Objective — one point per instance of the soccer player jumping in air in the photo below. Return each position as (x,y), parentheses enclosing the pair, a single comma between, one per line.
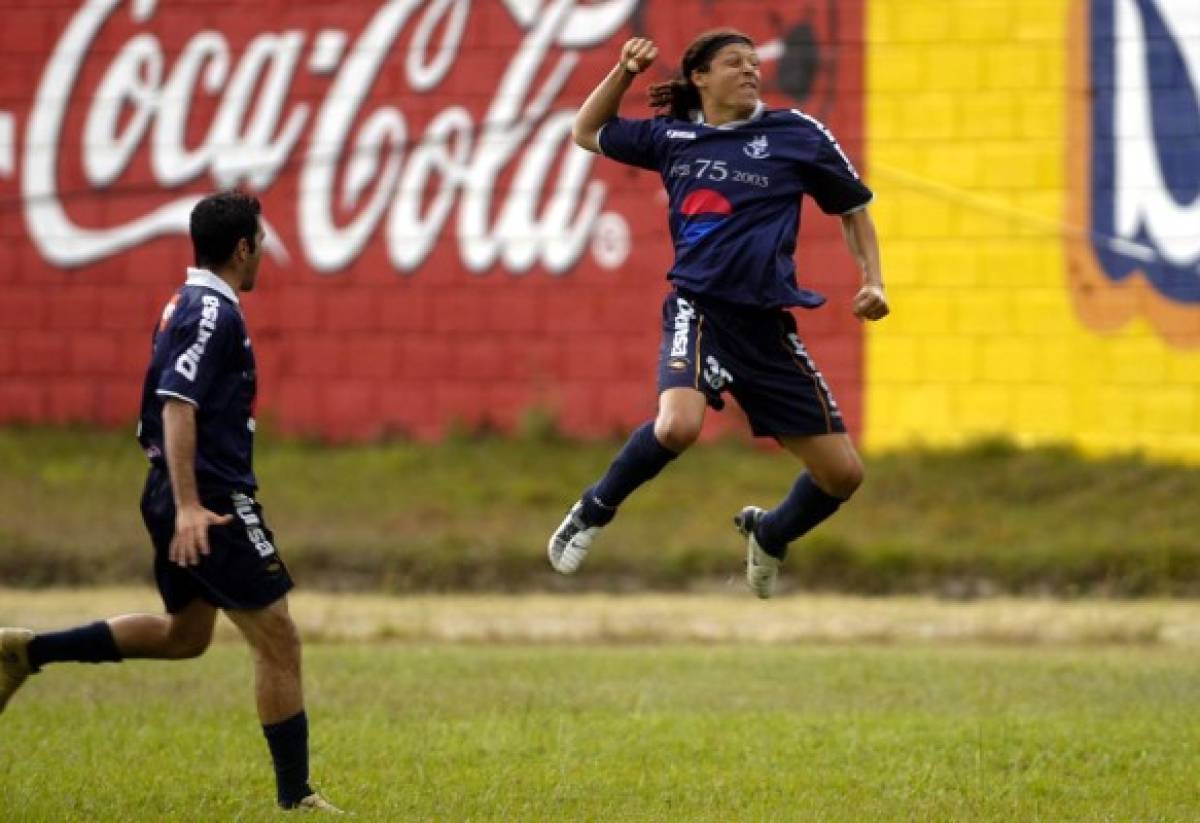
(735,173)
(212,547)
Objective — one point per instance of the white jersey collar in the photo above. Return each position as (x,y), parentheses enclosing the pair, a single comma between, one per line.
(203,277)
(759,109)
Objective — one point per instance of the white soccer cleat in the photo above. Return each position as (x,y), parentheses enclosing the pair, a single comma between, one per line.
(14,662)
(315,803)
(762,569)
(570,542)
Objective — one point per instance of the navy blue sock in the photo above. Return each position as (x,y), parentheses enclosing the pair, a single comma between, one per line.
(288,741)
(640,459)
(805,506)
(93,643)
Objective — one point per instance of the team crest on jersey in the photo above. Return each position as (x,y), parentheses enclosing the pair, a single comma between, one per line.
(1135,176)
(757,148)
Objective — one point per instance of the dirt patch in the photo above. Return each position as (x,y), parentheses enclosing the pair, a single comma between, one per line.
(650,618)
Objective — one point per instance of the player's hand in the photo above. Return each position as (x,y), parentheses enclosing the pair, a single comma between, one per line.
(191,533)
(870,303)
(637,54)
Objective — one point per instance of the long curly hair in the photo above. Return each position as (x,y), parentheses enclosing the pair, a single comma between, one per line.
(678,94)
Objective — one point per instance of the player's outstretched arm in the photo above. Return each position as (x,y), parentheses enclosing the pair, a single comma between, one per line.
(602,104)
(192,520)
(859,232)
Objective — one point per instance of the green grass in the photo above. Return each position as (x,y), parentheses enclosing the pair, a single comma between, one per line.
(474,513)
(673,732)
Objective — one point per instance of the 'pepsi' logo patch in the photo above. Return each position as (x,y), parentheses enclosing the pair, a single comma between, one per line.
(703,210)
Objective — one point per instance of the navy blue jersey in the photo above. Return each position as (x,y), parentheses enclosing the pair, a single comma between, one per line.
(735,193)
(202,356)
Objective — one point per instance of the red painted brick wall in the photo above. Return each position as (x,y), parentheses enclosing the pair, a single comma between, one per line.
(370,346)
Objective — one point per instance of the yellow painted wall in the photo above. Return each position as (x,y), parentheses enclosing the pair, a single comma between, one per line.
(967,107)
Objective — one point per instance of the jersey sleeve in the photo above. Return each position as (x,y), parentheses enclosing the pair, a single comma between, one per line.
(633,142)
(197,343)
(831,178)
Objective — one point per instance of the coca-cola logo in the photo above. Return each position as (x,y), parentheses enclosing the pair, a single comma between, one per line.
(362,169)
(417,175)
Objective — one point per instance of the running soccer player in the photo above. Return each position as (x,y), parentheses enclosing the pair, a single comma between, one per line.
(212,547)
(735,173)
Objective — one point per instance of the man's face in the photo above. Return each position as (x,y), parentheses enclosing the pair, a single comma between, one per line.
(732,80)
(249,260)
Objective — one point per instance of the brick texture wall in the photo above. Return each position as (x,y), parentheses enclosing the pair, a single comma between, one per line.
(1039,291)
(370,321)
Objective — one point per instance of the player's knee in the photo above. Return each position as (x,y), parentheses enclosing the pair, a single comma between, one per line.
(186,643)
(843,479)
(677,432)
(280,642)
(191,648)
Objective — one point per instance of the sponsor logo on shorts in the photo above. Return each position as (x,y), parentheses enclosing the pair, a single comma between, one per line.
(677,364)
(244,506)
(684,315)
(802,353)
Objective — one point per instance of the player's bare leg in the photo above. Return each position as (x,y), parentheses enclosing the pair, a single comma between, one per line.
(279,695)
(680,418)
(158,636)
(179,636)
(832,461)
(275,643)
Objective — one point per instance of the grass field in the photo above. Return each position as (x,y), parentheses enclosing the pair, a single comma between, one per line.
(641,706)
(473,513)
(640,731)
(634,733)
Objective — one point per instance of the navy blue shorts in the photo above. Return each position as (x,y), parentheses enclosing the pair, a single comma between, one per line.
(242,571)
(754,354)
